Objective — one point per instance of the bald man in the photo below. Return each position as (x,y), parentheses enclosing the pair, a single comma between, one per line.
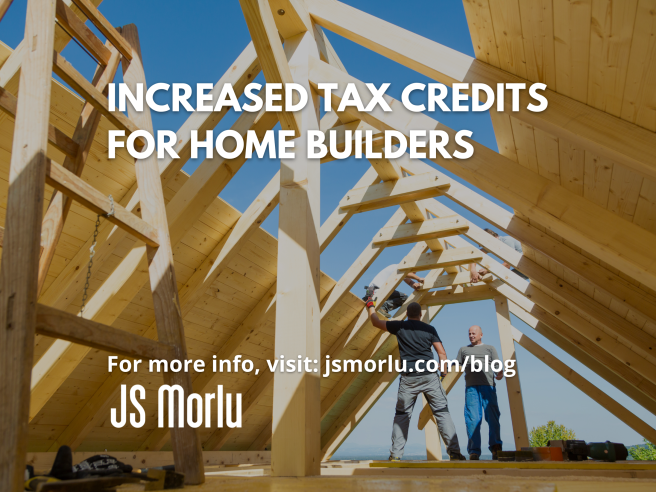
(480,393)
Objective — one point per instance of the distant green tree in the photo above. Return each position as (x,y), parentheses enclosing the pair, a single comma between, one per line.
(645,452)
(539,436)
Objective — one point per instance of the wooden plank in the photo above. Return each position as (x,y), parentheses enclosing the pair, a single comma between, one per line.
(537,29)
(482,30)
(637,103)
(442,259)
(517,415)
(186,445)
(391,193)
(296,414)
(54,323)
(608,403)
(459,293)
(271,54)
(291,17)
(105,27)
(20,252)
(421,231)
(73,78)
(56,137)
(73,25)
(610,46)
(508,34)
(68,183)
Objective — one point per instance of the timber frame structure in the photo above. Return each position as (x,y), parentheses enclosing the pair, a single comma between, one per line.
(580,176)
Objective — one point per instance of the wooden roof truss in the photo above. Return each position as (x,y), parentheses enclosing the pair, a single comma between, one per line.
(593,271)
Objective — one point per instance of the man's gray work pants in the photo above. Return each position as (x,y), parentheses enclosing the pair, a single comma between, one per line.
(409,388)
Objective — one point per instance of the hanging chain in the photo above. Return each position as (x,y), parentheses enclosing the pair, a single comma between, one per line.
(92,252)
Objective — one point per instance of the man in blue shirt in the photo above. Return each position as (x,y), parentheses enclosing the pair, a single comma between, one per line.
(416,339)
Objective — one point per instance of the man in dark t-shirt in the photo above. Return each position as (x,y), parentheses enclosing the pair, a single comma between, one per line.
(415,340)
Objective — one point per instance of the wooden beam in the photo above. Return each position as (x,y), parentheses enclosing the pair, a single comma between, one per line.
(604,134)
(187,451)
(54,323)
(359,266)
(75,26)
(603,279)
(271,54)
(608,403)
(517,415)
(296,413)
(79,190)
(442,259)
(459,293)
(592,357)
(105,27)
(451,280)
(392,193)
(57,138)
(573,217)
(21,244)
(291,17)
(595,335)
(4,6)
(81,85)
(421,231)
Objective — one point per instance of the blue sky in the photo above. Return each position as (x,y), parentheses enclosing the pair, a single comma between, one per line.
(198,43)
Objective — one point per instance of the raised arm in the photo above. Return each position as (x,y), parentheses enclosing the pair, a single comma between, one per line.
(375,320)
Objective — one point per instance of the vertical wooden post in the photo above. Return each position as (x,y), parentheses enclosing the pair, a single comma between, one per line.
(431,430)
(187,452)
(296,421)
(22,238)
(433,440)
(520,430)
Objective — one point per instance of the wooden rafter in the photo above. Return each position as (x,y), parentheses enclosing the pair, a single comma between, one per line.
(551,205)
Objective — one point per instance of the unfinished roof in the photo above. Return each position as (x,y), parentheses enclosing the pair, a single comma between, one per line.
(580,176)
